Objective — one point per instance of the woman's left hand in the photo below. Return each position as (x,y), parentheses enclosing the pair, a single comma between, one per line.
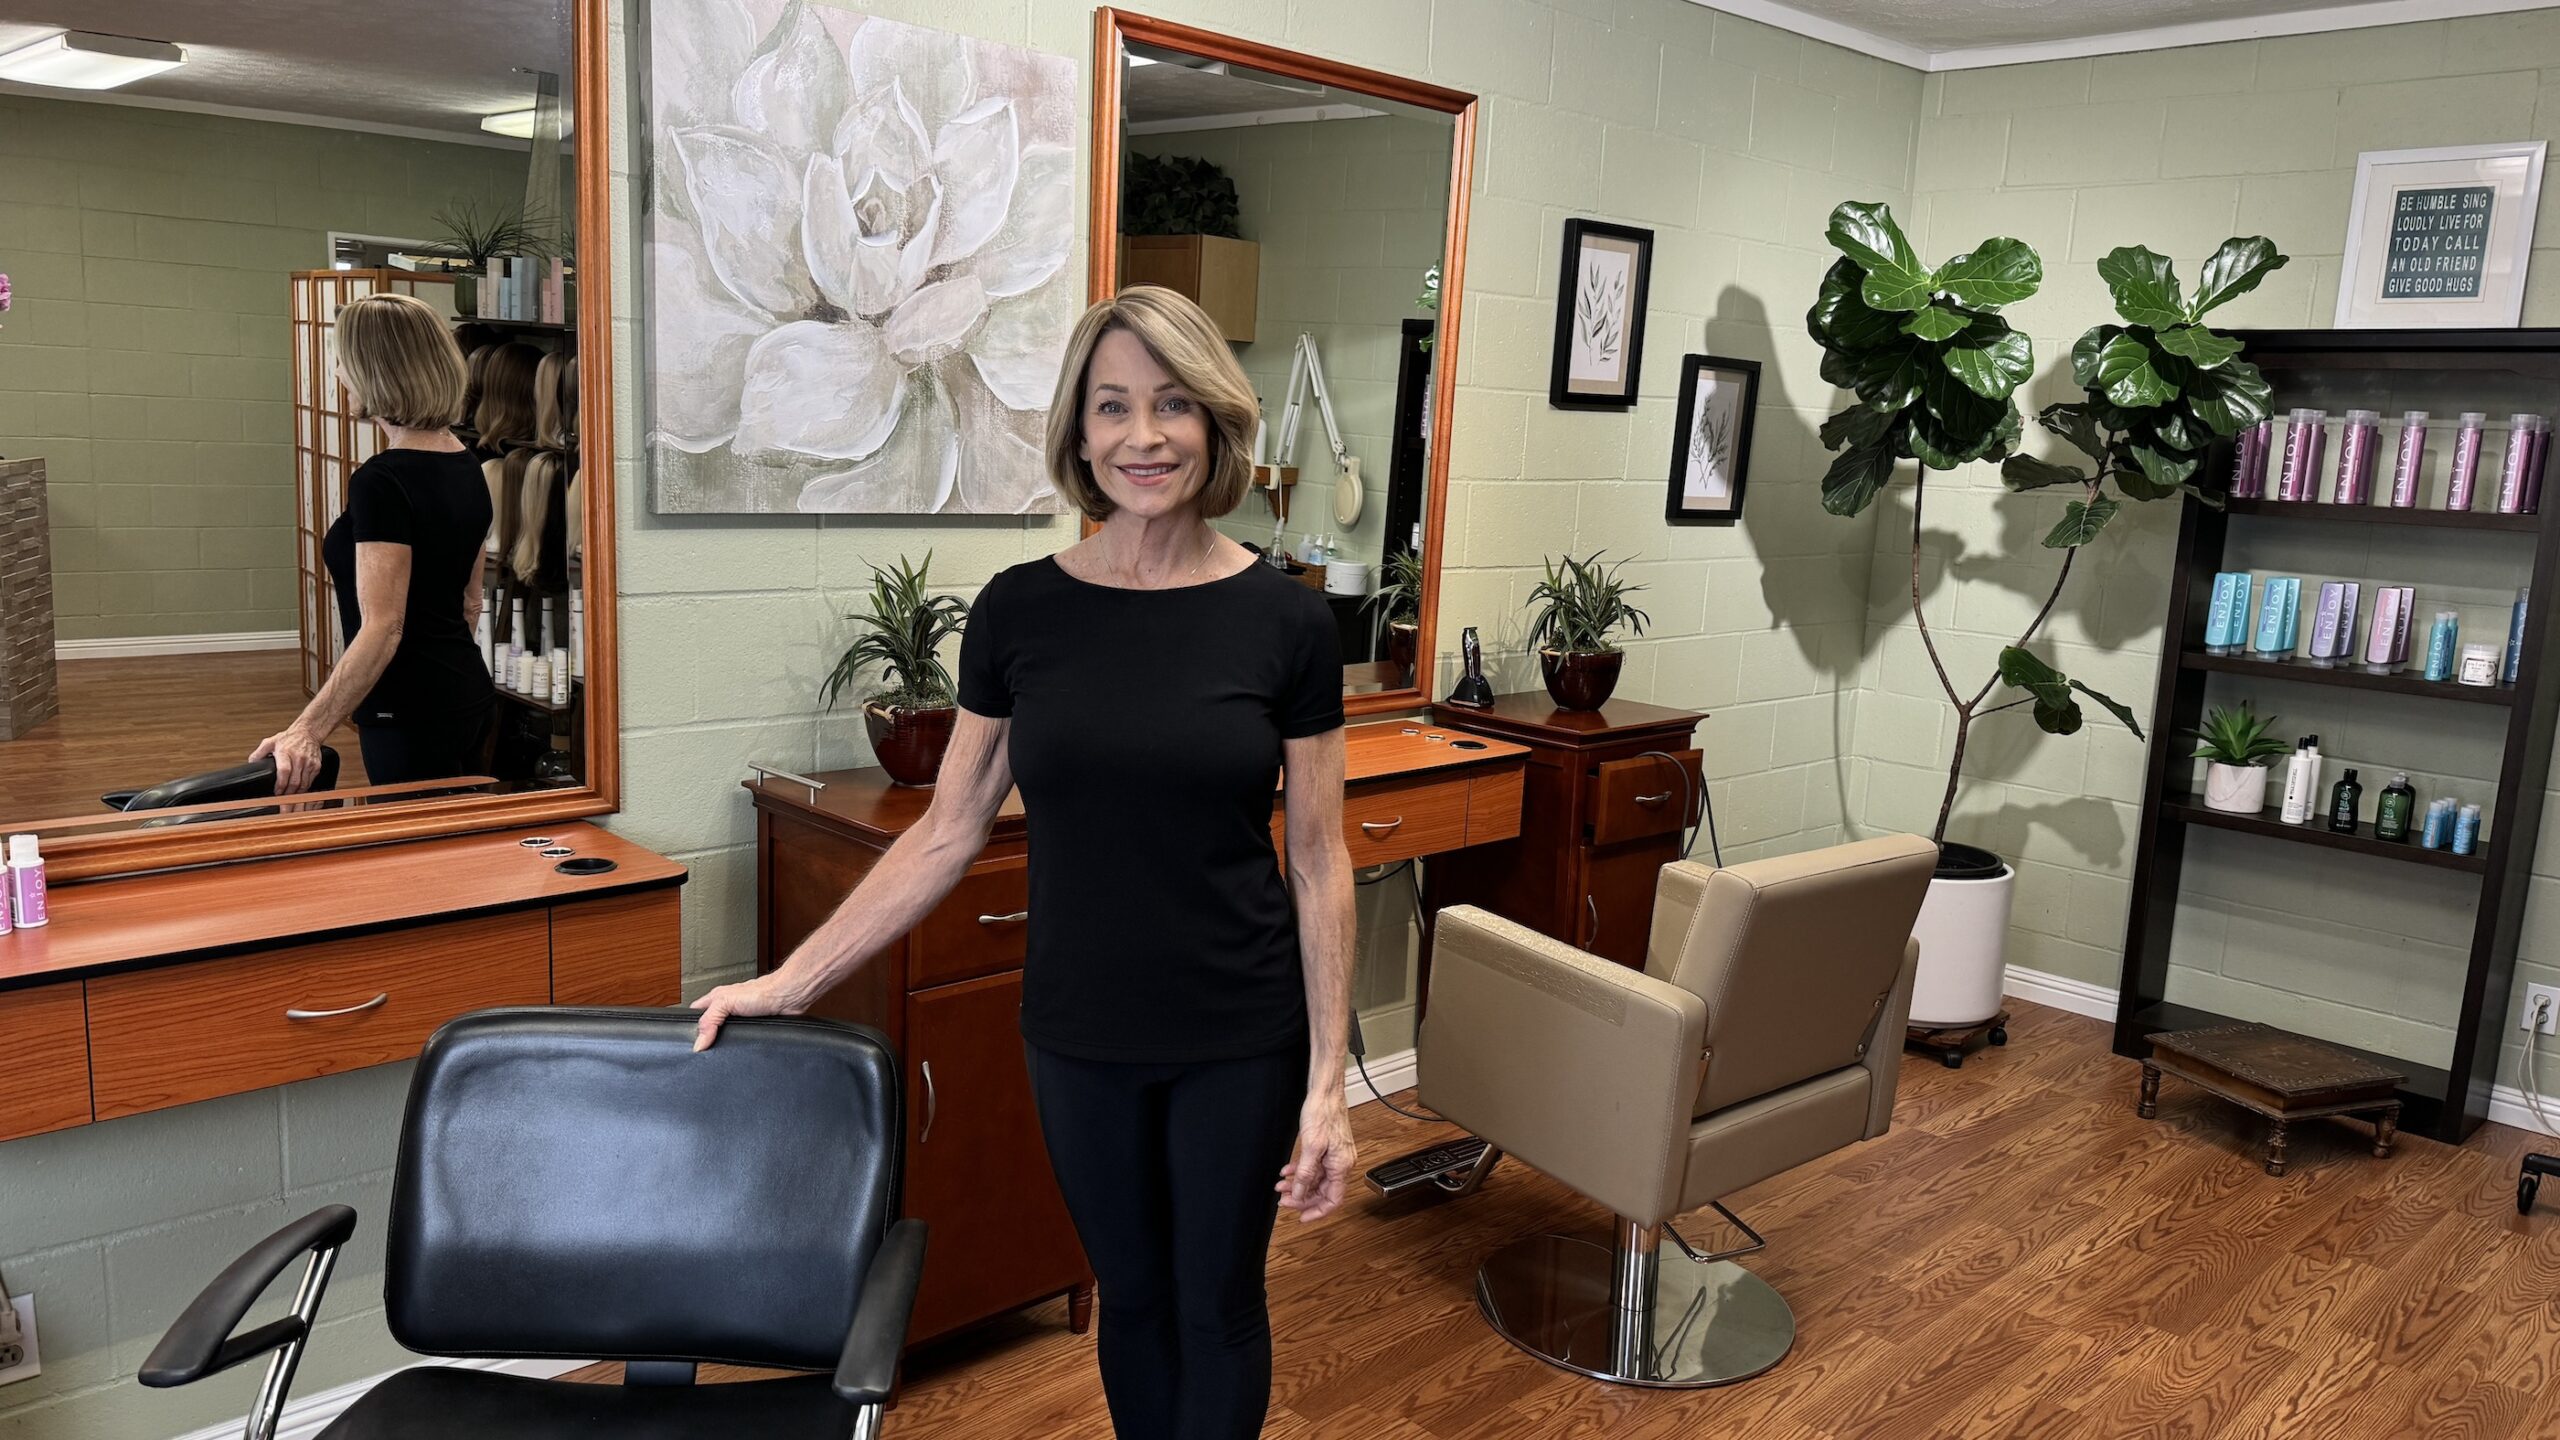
(1313,1181)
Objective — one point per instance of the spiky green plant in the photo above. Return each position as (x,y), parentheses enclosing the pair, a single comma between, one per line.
(2237,736)
(901,635)
(1581,603)
(478,234)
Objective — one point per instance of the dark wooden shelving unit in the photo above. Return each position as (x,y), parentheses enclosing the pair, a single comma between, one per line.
(2447,1102)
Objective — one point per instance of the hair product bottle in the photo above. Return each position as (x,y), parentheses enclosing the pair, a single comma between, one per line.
(2466,829)
(2359,446)
(2411,460)
(2391,812)
(2443,642)
(26,883)
(2346,802)
(2466,460)
(2249,460)
(2301,774)
(2515,638)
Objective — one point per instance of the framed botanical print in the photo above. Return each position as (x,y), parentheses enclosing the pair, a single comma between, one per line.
(1600,301)
(1711,444)
(2439,239)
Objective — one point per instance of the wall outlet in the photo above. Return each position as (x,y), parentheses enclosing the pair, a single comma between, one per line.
(30,1367)
(2547,996)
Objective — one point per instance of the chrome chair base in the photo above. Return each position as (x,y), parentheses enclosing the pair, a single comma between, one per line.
(1683,1325)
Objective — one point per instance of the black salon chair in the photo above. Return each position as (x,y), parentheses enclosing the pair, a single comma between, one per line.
(249,780)
(578,1183)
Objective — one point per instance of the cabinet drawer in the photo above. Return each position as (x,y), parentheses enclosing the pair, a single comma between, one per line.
(1398,821)
(47,1034)
(978,929)
(216,1027)
(1631,799)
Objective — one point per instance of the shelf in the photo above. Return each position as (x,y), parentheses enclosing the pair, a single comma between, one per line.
(2427,1082)
(2188,810)
(2385,515)
(554,327)
(576,688)
(2349,677)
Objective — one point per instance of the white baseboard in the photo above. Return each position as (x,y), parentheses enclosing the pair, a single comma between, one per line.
(126,646)
(304,1419)
(1390,1072)
(2506,1103)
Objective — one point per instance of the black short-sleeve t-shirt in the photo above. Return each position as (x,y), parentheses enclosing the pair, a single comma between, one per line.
(1146,744)
(436,503)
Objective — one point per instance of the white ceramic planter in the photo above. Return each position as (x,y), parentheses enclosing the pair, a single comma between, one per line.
(2235,789)
(1963,932)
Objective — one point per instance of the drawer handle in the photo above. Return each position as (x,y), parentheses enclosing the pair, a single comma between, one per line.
(1381,827)
(1016,918)
(1592,904)
(931,1103)
(1654,799)
(373,1003)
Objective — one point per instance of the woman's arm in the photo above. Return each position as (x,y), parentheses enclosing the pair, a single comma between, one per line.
(382,597)
(918,870)
(471,593)
(1320,885)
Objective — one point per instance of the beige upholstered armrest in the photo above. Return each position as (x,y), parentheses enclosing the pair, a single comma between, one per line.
(1884,1048)
(1582,1068)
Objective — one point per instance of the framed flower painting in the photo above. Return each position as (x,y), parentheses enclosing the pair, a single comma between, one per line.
(856,243)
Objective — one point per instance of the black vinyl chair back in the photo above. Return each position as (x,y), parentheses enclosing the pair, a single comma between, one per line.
(579,1183)
(250,780)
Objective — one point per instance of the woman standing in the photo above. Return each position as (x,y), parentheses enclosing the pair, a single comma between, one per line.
(405,559)
(1184,1002)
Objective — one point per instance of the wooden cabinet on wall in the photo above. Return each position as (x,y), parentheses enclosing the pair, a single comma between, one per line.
(1223,276)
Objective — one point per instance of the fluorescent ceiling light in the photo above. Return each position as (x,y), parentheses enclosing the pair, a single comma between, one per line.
(519,123)
(78,60)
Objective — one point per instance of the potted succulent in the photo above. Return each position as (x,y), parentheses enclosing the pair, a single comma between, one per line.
(1580,605)
(1399,606)
(1934,367)
(2236,747)
(910,717)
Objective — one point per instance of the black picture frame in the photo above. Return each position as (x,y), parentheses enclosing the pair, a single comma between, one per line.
(1739,379)
(1564,390)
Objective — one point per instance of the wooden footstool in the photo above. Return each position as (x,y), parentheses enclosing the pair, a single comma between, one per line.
(2278,1074)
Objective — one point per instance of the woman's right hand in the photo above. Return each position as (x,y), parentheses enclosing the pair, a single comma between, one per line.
(764,995)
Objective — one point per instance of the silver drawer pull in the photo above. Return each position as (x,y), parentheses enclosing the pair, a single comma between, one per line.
(373,1003)
(931,1103)
(1651,800)
(1381,827)
(1016,918)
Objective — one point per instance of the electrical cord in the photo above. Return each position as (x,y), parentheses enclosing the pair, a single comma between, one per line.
(2532,1077)
(1689,805)
(1360,1045)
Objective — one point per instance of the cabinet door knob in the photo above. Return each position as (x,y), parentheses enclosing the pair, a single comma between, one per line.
(1381,827)
(931,1102)
(1015,918)
(373,1003)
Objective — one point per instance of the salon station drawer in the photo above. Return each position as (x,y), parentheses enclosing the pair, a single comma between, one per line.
(190,1032)
(1647,795)
(47,1087)
(1399,820)
(979,929)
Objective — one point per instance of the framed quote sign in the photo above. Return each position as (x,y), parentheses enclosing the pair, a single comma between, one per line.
(2439,239)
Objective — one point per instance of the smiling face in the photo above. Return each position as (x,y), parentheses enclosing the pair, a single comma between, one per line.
(1146,438)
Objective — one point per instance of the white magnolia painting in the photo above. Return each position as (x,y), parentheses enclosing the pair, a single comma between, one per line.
(857,242)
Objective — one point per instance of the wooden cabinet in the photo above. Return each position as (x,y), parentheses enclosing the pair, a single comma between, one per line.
(48,1038)
(1224,276)
(1607,799)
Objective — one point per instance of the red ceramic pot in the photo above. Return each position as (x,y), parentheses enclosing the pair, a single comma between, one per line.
(910,739)
(1403,639)
(1580,681)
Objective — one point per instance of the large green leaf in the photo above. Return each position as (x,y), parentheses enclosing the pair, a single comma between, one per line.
(2026,472)
(2235,270)
(2175,429)
(1996,272)
(1856,425)
(2081,521)
(1935,322)
(2085,352)
(1889,377)
(1969,417)
(2056,712)
(1856,475)
(2120,711)
(1895,279)
(2144,286)
(1840,319)
(2129,372)
(1991,363)
(2162,471)
(1897,289)
(2199,345)
(2075,424)
(2230,399)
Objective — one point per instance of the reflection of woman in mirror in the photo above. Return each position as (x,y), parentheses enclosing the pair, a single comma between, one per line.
(1184,1000)
(405,557)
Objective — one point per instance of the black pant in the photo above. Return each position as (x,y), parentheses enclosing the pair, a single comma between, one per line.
(436,749)
(1170,1171)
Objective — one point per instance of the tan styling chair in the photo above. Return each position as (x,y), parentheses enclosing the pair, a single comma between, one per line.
(1765,1031)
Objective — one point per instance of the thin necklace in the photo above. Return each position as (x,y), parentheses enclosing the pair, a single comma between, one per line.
(1208,543)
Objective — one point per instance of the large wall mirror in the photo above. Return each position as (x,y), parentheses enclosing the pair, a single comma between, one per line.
(189,194)
(1318,212)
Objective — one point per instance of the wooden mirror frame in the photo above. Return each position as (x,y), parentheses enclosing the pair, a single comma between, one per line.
(82,857)
(1111,28)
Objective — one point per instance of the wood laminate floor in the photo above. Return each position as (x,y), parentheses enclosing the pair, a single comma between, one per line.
(2020,1257)
(139,720)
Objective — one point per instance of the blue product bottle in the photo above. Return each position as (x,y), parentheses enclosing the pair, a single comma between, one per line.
(2515,638)
(2218,618)
(2271,619)
(2439,825)
(2292,614)
(2441,645)
(2466,830)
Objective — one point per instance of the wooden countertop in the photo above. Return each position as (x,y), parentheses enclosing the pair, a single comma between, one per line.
(1378,751)
(1532,714)
(137,921)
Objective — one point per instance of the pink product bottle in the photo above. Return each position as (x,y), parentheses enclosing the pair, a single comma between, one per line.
(2359,449)
(2466,461)
(2534,459)
(2304,439)
(2511,469)
(2249,460)
(2412,459)
(26,883)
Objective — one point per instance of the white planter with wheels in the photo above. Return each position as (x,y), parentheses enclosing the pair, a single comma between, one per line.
(1963,932)
(2235,789)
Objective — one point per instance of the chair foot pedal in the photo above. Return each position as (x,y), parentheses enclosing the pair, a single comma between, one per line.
(1423,1166)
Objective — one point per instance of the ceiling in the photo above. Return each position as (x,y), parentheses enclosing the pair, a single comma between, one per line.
(1970,34)
(434,67)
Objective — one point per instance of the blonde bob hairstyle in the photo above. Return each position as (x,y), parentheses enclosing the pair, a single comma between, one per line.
(400,362)
(1186,342)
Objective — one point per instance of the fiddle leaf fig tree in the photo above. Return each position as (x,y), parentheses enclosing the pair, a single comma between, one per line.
(1935,368)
